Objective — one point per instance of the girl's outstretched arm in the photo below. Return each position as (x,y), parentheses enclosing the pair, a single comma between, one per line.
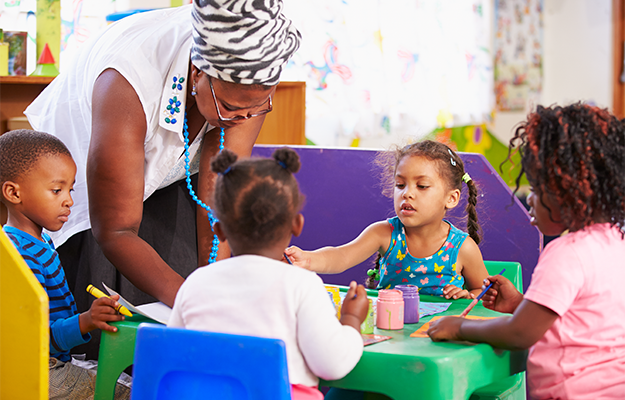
(334,260)
(473,271)
(519,331)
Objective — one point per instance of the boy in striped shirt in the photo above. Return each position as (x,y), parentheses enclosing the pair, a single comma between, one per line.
(37,174)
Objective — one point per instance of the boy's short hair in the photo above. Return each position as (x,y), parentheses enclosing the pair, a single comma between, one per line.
(21,149)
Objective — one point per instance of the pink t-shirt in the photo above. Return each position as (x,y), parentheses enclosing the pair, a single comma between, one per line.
(581,277)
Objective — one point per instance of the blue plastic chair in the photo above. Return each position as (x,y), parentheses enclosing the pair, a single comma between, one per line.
(173,363)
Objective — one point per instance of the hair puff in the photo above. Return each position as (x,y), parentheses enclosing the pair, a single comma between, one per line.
(222,161)
(289,158)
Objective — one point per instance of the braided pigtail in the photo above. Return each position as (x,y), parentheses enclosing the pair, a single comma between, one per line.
(374,274)
(473,226)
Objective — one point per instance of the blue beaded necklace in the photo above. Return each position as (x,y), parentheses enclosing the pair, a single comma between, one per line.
(211,216)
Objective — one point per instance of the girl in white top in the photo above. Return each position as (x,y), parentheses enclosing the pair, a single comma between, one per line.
(254,293)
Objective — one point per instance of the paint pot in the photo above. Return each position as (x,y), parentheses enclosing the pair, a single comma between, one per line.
(411,303)
(390,313)
(367,325)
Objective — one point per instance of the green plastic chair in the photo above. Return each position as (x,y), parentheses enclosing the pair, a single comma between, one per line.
(513,387)
(513,271)
(117,352)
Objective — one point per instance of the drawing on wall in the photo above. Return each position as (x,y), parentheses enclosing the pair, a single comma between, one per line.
(478,139)
(379,73)
(518,53)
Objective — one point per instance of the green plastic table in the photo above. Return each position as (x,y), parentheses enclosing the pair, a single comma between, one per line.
(417,368)
(401,368)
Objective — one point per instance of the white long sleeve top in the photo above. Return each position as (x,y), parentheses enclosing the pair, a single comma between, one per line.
(257,296)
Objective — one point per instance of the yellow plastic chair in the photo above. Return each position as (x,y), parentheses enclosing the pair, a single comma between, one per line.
(24,328)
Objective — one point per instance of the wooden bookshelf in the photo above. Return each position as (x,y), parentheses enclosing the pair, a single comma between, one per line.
(286,123)
(16,93)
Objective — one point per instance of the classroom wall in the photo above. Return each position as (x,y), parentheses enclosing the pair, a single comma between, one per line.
(577,46)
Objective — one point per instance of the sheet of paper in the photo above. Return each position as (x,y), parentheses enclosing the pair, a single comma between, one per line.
(159,312)
(422,332)
(426,308)
(371,338)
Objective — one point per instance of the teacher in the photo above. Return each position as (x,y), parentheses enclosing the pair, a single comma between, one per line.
(123,109)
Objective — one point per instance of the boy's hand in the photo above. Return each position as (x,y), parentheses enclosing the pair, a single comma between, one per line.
(502,296)
(355,306)
(102,311)
(447,328)
(454,292)
(298,257)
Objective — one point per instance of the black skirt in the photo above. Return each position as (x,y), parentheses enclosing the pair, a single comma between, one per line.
(168,225)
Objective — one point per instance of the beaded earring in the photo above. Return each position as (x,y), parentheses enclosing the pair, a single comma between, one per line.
(193,92)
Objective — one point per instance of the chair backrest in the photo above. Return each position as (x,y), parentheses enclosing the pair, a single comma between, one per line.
(513,271)
(343,196)
(174,363)
(24,328)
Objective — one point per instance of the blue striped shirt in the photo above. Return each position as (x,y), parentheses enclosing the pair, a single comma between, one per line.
(43,260)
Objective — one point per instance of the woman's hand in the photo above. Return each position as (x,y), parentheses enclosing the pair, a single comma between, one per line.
(447,328)
(298,257)
(355,306)
(502,296)
(454,292)
(102,310)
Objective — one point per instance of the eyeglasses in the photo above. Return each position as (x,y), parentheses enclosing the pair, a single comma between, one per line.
(237,117)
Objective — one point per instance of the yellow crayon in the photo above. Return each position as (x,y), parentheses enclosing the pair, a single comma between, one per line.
(98,293)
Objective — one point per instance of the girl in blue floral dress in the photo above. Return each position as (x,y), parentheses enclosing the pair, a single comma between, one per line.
(417,246)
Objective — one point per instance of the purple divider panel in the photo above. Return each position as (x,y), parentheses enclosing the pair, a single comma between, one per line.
(344,195)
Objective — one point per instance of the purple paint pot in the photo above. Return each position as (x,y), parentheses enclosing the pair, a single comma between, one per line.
(411,303)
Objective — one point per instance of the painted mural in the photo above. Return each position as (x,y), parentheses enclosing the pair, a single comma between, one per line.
(379,73)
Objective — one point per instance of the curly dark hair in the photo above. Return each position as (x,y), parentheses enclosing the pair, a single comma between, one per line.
(257,198)
(449,166)
(21,149)
(577,155)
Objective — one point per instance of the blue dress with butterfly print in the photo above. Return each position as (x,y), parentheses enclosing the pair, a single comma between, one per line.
(431,274)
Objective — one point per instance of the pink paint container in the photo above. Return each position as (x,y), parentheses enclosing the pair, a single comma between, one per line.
(411,303)
(390,313)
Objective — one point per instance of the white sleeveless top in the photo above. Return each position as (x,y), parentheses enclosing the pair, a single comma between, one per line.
(149,49)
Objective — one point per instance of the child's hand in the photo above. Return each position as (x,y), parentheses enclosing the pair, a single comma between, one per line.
(447,328)
(502,296)
(454,292)
(298,257)
(355,306)
(102,311)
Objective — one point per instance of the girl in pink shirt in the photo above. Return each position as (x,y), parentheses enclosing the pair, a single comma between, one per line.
(572,317)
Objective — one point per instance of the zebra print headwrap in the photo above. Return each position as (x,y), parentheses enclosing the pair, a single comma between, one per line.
(242,41)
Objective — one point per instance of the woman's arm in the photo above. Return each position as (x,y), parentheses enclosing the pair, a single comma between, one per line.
(334,260)
(115,168)
(240,139)
(520,331)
